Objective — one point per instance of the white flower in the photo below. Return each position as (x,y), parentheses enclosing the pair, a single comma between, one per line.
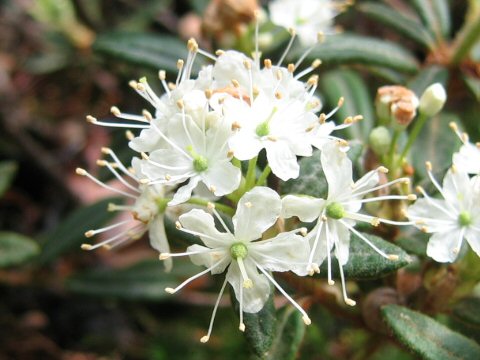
(196,153)
(432,100)
(336,216)
(452,219)
(468,157)
(306,17)
(147,210)
(248,261)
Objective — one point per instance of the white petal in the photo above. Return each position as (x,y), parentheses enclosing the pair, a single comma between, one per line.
(223,177)
(201,222)
(207,259)
(456,187)
(147,141)
(282,160)
(338,170)
(473,238)
(185,192)
(428,210)
(255,297)
(442,246)
(168,162)
(186,133)
(245,145)
(257,210)
(468,159)
(341,235)
(158,239)
(305,208)
(285,252)
(319,136)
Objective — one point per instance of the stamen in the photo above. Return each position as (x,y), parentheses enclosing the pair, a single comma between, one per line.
(247,283)
(329,256)
(410,197)
(91,233)
(311,266)
(164,256)
(292,38)
(170,142)
(162,75)
(189,280)
(315,64)
(205,338)
(241,326)
(94,121)
(180,64)
(320,39)
(117,161)
(305,317)
(428,165)
(83,172)
(211,206)
(192,232)
(347,300)
(117,175)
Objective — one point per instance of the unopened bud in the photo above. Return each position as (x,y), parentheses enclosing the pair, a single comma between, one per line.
(432,100)
(396,105)
(380,140)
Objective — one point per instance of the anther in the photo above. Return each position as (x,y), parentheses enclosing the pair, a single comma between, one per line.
(192,45)
(350,302)
(205,338)
(129,135)
(170,290)
(91,119)
(306,320)
(235,83)
(236,125)
(247,64)
(331,282)
(375,221)
(278,95)
(180,104)
(230,153)
(393,257)
(162,75)
(178,225)
(89,233)
(133,84)
(382,169)
(219,52)
(81,171)
(303,231)
(411,197)
(428,165)
(115,111)
(147,115)
(267,63)
(102,162)
(164,256)
(144,181)
(208,93)
(180,63)
(212,188)
(291,68)
(86,247)
(241,327)
(341,101)
(316,63)
(210,206)
(248,204)
(322,118)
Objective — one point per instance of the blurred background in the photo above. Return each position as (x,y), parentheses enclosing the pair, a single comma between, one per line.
(61,60)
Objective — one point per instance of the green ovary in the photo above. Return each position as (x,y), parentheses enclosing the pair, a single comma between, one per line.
(262,129)
(238,250)
(200,163)
(465,219)
(335,211)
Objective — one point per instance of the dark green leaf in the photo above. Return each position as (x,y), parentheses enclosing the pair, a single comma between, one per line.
(259,327)
(389,75)
(199,5)
(289,335)
(436,143)
(351,86)
(150,50)
(442,12)
(15,248)
(311,181)
(70,233)
(8,169)
(465,317)
(428,338)
(404,24)
(431,16)
(356,49)
(415,243)
(427,77)
(366,263)
(146,280)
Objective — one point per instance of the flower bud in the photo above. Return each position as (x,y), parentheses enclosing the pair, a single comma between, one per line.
(396,104)
(432,100)
(380,140)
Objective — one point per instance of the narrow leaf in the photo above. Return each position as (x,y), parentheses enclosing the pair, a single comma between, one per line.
(404,24)
(16,249)
(70,233)
(428,338)
(154,51)
(289,335)
(473,84)
(427,12)
(8,169)
(348,84)
(366,263)
(145,280)
(356,49)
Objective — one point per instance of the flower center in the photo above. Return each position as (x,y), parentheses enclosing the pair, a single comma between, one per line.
(200,163)
(238,251)
(263,129)
(465,219)
(335,210)
(162,204)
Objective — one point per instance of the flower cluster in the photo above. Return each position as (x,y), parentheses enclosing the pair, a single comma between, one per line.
(457,216)
(191,150)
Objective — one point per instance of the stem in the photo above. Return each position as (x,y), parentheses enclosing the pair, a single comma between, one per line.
(237,163)
(393,145)
(222,207)
(251,174)
(469,35)
(263,177)
(422,119)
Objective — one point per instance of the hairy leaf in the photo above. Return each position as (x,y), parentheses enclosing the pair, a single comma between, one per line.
(465,317)
(428,338)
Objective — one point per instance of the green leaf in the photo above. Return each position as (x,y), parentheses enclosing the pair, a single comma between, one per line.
(311,180)
(436,143)
(427,77)
(433,16)
(465,317)
(289,335)
(356,49)
(389,75)
(153,51)
(428,338)
(441,9)
(396,20)
(358,101)
(16,249)
(259,327)
(466,39)
(414,243)
(145,280)
(70,233)
(8,169)
(199,5)
(366,263)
